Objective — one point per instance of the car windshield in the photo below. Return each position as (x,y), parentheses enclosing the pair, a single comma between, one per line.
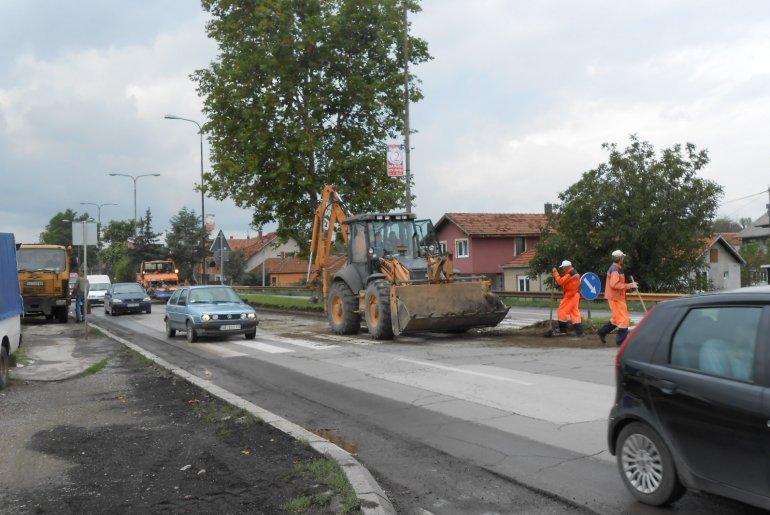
(128,288)
(213,295)
(98,286)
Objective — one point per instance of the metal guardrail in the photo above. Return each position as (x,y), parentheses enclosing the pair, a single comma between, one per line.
(647,297)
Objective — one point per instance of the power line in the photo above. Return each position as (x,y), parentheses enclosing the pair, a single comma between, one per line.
(744,198)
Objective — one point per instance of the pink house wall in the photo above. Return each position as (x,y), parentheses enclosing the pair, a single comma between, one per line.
(486,255)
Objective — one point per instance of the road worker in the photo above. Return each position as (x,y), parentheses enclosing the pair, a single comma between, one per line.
(615,293)
(569,307)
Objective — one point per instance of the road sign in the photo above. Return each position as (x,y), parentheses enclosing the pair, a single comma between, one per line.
(220,243)
(590,286)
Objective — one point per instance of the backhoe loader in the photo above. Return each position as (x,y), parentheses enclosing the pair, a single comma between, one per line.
(396,276)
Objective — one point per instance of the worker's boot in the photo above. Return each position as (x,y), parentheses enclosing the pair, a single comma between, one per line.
(579,331)
(604,330)
(562,327)
(622,333)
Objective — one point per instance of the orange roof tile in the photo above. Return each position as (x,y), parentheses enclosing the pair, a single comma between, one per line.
(496,224)
(522,260)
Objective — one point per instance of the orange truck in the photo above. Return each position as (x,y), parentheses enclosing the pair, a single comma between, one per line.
(160,278)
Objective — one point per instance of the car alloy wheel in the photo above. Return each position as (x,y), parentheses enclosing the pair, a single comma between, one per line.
(647,467)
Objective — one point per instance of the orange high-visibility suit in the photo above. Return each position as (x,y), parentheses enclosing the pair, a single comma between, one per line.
(615,293)
(570,302)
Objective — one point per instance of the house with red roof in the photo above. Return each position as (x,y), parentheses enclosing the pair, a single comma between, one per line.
(255,251)
(487,243)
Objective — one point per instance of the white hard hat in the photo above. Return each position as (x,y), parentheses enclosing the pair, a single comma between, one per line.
(618,254)
(565,263)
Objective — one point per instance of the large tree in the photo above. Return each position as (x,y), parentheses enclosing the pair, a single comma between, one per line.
(303,94)
(655,209)
(184,241)
(147,246)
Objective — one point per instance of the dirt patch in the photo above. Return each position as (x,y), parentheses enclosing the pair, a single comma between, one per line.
(133,438)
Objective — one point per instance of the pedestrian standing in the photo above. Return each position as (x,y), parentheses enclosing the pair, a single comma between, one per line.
(569,307)
(81,294)
(615,293)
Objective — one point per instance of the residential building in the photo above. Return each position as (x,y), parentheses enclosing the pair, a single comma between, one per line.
(722,264)
(484,243)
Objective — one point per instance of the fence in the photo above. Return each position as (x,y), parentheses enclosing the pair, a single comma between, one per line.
(301,290)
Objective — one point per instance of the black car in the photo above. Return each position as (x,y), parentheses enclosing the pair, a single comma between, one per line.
(692,406)
(126,298)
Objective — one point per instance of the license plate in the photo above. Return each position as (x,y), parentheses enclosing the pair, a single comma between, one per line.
(34,283)
(133,305)
(230,327)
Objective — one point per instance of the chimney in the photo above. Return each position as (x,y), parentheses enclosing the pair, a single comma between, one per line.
(548,208)
(260,234)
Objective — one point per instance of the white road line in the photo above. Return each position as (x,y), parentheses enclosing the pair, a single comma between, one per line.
(264,347)
(219,350)
(303,343)
(468,372)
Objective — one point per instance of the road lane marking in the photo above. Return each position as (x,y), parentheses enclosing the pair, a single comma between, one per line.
(468,372)
(218,350)
(264,347)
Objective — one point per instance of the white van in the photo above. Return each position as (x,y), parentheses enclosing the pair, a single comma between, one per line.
(97,286)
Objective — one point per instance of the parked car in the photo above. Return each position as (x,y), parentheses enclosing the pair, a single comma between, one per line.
(126,298)
(213,310)
(692,405)
(97,287)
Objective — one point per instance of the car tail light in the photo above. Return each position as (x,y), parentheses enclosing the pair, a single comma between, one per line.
(622,348)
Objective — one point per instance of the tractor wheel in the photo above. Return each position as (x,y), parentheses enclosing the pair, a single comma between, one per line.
(342,306)
(377,310)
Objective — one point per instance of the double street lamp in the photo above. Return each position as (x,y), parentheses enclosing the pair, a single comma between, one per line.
(203,209)
(134,178)
(99,209)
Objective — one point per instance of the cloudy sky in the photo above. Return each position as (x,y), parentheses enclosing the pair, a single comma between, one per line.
(519,98)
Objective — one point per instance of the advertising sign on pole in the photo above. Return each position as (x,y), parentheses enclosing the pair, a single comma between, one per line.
(210,225)
(395,160)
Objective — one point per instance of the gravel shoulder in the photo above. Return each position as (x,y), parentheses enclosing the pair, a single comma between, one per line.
(131,437)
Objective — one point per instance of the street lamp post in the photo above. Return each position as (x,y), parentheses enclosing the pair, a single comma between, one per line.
(98,222)
(203,209)
(135,178)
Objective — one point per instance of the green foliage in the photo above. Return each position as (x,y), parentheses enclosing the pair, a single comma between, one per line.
(59,232)
(146,245)
(235,267)
(656,209)
(723,224)
(124,270)
(328,472)
(755,255)
(184,241)
(304,94)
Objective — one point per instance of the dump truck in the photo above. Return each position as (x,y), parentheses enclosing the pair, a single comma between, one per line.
(160,278)
(11,306)
(396,276)
(44,275)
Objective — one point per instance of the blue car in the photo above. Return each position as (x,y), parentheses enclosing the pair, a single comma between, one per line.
(212,310)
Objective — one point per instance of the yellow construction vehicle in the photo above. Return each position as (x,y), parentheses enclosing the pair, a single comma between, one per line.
(395,277)
(44,275)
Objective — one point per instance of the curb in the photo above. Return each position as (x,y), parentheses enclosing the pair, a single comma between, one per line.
(371,496)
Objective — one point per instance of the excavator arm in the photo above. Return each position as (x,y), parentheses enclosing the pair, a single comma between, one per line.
(329,214)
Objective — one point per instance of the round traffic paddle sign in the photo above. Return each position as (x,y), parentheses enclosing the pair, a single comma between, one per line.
(590,286)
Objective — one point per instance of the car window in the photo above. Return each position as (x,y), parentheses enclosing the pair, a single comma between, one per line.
(182,301)
(175,297)
(718,341)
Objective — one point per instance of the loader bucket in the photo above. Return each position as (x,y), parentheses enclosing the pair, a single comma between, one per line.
(455,306)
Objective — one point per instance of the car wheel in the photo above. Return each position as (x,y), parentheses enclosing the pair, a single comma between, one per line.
(5,365)
(192,336)
(149,310)
(169,331)
(646,466)
(250,335)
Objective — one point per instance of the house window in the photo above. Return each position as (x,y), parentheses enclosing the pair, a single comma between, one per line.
(519,245)
(442,247)
(461,248)
(714,255)
(523,282)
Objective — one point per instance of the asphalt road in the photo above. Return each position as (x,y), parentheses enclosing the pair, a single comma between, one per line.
(447,424)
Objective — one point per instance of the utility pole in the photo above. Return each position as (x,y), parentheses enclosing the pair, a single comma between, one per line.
(406,111)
